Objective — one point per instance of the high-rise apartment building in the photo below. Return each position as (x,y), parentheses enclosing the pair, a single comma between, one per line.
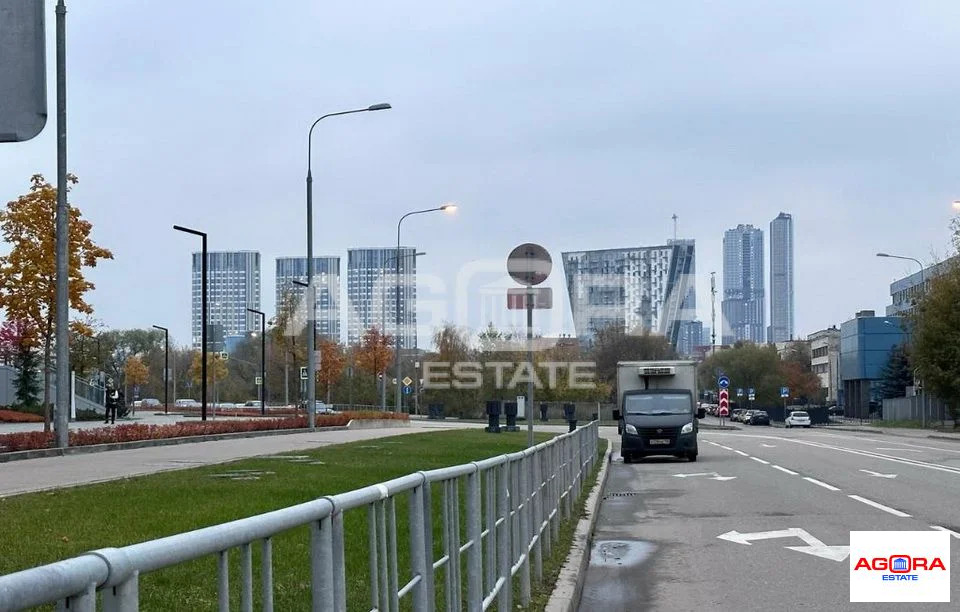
(742,308)
(233,285)
(637,289)
(371,293)
(781,279)
(326,279)
(691,336)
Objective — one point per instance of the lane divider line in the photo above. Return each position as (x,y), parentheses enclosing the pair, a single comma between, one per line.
(759,460)
(821,484)
(783,469)
(724,447)
(879,506)
(739,452)
(950,531)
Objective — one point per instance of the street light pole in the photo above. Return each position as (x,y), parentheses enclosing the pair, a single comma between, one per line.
(166,367)
(923,282)
(311,345)
(203,317)
(62,329)
(399,336)
(263,359)
(383,325)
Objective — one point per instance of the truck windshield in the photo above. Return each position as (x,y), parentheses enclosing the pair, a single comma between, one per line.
(656,404)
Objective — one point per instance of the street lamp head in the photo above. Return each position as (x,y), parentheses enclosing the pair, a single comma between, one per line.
(449,208)
(883,255)
(956,205)
(381,106)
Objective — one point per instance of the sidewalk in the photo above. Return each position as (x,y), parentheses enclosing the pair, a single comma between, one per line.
(56,472)
(143,417)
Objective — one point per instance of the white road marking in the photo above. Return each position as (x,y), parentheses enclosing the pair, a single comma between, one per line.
(873,455)
(879,506)
(768,445)
(814,546)
(939,528)
(905,450)
(878,474)
(758,460)
(713,475)
(783,469)
(724,447)
(740,452)
(820,484)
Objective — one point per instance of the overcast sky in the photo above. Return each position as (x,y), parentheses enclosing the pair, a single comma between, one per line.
(575,125)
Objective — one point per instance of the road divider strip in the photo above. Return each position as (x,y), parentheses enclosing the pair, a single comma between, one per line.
(879,506)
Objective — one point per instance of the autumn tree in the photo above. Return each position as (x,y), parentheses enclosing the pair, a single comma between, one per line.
(613,344)
(748,365)
(331,365)
(28,271)
(216,368)
(135,372)
(374,353)
(936,337)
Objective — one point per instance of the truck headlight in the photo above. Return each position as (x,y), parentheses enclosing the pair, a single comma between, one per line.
(688,428)
(631,429)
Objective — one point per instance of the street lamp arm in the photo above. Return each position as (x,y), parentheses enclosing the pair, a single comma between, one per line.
(372,107)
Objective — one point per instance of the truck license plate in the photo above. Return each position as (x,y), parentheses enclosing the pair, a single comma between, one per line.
(660,441)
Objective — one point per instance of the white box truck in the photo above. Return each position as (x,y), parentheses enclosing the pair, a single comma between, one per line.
(657,409)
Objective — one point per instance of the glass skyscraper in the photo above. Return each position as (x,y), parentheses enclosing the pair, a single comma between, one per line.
(326,278)
(742,308)
(637,289)
(781,279)
(371,293)
(233,285)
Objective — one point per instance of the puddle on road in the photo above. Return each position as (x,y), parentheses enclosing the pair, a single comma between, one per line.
(620,553)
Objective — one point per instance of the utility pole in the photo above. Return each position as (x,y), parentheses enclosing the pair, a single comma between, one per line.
(713,313)
(62,327)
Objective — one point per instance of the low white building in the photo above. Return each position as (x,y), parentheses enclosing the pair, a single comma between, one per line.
(825,360)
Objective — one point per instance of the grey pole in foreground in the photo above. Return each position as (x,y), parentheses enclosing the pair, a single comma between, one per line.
(62,411)
(166,367)
(203,316)
(263,359)
(529,407)
(397,340)
(311,344)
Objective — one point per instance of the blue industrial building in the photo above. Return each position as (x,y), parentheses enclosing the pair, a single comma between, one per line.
(865,345)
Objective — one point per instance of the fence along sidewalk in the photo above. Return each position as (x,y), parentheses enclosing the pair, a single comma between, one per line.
(514,504)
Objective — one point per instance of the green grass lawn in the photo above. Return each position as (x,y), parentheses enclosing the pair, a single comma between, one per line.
(44,527)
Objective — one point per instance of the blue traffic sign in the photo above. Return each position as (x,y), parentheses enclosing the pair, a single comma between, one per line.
(407,390)
(739,392)
(723,381)
(784,391)
(751,391)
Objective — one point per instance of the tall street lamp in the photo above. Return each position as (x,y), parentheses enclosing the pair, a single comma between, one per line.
(448,208)
(383,326)
(923,282)
(311,344)
(203,317)
(166,367)
(263,359)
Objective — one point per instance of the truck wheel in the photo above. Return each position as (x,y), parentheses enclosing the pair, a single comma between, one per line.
(692,457)
(627,458)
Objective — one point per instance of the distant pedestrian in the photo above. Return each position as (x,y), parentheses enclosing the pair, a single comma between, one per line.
(112,400)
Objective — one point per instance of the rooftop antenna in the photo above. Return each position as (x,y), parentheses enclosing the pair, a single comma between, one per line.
(675,218)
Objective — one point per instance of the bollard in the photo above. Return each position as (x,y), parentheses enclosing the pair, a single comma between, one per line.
(510,409)
(543,412)
(493,416)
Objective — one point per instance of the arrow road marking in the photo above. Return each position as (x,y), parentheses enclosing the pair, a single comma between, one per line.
(713,475)
(814,546)
(878,474)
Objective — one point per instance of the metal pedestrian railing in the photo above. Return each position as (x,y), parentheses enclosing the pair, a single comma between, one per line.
(512,507)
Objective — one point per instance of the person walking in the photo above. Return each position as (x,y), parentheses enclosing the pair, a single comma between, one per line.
(112,399)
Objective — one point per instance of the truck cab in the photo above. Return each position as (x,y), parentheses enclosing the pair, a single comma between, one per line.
(657,409)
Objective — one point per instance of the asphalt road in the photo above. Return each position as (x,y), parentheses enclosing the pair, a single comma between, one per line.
(656,544)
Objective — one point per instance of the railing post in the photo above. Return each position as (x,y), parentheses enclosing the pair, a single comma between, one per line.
(246,578)
(475,552)
(321,565)
(124,597)
(447,519)
(490,550)
(422,598)
(372,555)
(427,500)
(504,545)
(339,571)
(82,602)
(455,531)
(266,574)
(538,530)
(523,498)
(223,581)
(392,553)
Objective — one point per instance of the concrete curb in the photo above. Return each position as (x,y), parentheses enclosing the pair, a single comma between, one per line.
(99,448)
(566,594)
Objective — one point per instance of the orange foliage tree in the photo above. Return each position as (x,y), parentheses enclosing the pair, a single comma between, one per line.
(374,353)
(28,271)
(332,362)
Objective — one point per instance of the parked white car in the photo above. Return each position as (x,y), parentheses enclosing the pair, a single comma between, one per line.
(798,418)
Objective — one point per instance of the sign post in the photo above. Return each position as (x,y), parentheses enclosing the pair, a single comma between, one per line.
(723,381)
(530,264)
(784,393)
